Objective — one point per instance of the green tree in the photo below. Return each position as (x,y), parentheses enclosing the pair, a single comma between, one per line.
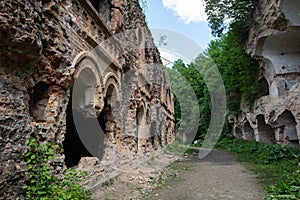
(192,76)
(239,71)
(227,14)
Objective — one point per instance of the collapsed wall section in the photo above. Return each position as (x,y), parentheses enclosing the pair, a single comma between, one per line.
(274,41)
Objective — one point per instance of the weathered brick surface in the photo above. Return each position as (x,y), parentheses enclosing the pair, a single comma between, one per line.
(40,42)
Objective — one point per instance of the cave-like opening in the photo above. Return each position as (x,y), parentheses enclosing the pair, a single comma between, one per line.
(265,132)
(74,149)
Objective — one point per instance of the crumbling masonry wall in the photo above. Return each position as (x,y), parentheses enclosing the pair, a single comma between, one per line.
(274,41)
(45,47)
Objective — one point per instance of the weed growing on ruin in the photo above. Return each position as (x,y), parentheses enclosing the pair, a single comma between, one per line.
(159,181)
(151,160)
(42,184)
(108,182)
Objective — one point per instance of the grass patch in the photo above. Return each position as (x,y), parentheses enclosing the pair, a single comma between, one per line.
(276,166)
(159,181)
(178,148)
(108,183)
(151,160)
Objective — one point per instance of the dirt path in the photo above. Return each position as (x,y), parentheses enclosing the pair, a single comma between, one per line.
(217,177)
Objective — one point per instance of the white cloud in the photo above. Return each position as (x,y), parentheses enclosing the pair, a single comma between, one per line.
(169,57)
(187,10)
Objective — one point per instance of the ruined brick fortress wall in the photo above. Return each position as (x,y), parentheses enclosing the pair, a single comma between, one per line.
(275,42)
(44,48)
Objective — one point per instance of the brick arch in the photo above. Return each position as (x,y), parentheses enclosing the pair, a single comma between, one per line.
(87,71)
(85,89)
(81,112)
(111,79)
(110,114)
(78,58)
(85,60)
(88,63)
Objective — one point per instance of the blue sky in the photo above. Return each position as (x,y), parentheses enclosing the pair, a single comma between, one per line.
(184,16)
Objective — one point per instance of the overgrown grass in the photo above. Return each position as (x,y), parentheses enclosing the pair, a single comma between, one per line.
(108,183)
(276,166)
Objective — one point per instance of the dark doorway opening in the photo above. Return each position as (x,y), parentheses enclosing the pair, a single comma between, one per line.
(265,132)
(264,87)
(74,149)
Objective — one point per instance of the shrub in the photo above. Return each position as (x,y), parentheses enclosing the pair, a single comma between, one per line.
(42,184)
(259,152)
(286,189)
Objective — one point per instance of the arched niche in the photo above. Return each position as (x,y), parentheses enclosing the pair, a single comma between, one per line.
(83,137)
(264,87)
(282,50)
(39,97)
(266,133)
(86,86)
(141,126)
(248,132)
(108,115)
(84,92)
(287,132)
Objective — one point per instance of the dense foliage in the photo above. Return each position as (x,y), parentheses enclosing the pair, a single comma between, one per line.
(189,77)
(229,14)
(239,73)
(230,20)
(238,70)
(42,184)
(260,153)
